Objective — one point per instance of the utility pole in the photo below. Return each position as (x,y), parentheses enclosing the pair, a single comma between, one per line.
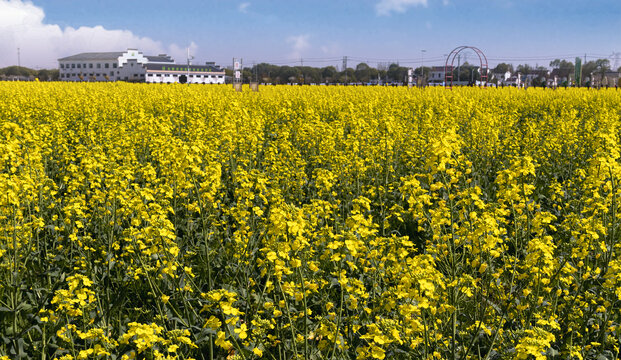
(458,66)
(19,62)
(189,58)
(422,67)
(345,67)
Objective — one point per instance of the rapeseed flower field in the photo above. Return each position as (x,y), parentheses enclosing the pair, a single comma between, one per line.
(194,222)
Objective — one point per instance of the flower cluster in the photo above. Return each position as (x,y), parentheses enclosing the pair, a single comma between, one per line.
(187,222)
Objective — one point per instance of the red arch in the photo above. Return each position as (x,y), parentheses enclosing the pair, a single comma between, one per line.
(448,76)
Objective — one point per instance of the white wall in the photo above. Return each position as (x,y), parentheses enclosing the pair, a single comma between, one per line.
(158,77)
(89,69)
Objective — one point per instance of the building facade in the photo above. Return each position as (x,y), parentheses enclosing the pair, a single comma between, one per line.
(133,66)
(106,66)
(175,73)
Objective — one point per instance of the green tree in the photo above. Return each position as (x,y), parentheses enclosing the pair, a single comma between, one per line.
(362,72)
(503,68)
(329,74)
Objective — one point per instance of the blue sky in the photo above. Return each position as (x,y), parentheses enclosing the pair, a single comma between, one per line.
(319,32)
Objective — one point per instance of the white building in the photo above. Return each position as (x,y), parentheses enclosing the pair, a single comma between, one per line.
(176,73)
(133,66)
(107,66)
(502,77)
(436,75)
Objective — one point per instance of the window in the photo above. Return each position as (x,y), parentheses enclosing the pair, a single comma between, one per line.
(84,65)
(97,74)
(90,66)
(106,65)
(73,66)
(111,73)
(114,65)
(62,66)
(79,65)
(98,66)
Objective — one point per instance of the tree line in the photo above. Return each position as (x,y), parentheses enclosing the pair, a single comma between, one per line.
(394,73)
(11,72)
(362,73)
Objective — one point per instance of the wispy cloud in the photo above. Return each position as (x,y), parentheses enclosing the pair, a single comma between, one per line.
(243,7)
(299,44)
(331,48)
(22,24)
(386,7)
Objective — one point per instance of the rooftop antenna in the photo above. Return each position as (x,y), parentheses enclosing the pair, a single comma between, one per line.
(189,58)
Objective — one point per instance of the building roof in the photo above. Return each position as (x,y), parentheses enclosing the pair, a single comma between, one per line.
(160,58)
(182,67)
(440,68)
(93,56)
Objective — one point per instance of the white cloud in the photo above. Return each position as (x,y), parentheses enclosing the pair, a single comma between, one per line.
(22,26)
(180,54)
(331,48)
(386,7)
(299,44)
(243,7)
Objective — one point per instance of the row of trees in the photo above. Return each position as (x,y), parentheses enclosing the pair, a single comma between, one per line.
(599,66)
(362,73)
(394,73)
(11,72)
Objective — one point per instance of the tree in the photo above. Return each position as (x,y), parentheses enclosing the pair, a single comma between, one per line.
(44,75)
(347,76)
(597,67)
(329,74)
(362,72)
(602,65)
(503,68)
(525,69)
(397,73)
(562,64)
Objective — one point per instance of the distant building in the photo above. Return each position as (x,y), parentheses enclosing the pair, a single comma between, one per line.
(562,76)
(609,78)
(106,66)
(131,65)
(502,77)
(437,74)
(193,74)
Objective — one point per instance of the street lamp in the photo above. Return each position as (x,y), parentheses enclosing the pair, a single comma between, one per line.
(422,67)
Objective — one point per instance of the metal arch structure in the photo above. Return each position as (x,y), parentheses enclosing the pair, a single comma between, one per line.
(450,62)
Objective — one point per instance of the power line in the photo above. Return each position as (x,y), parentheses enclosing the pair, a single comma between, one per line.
(430,59)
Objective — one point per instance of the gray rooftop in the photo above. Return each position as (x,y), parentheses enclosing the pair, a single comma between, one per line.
(93,56)
(160,58)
